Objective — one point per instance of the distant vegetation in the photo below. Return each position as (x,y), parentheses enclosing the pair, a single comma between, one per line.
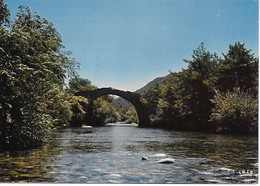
(212,94)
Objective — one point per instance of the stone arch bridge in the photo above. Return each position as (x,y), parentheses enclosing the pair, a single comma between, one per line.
(132,97)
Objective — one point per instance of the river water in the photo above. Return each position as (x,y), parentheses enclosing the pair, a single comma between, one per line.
(113,154)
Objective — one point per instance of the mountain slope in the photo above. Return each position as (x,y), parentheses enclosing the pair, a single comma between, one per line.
(152,83)
(120,103)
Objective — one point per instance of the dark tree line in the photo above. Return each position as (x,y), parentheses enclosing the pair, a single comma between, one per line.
(211,94)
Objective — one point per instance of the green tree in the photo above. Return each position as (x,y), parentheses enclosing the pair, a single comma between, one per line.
(174,105)
(4,13)
(239,68)
(78,106)
(78,84)
(32,72)
(153,96)
(81,107)
(198,81)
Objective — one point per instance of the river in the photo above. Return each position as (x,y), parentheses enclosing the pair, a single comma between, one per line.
(113,154)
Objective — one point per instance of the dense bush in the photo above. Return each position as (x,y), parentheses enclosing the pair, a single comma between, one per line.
(32,72)
(235,111)
(78,107)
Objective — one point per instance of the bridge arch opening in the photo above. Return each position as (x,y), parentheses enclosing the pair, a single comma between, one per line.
(126,110)
(133,98)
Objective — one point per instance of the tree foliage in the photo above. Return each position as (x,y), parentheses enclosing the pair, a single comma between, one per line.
(239,68)
(4,13)
(128,115)
(235,111)
(186,100)
(78,84)
(33,67)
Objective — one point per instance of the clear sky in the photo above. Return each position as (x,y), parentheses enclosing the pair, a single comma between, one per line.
(125,44)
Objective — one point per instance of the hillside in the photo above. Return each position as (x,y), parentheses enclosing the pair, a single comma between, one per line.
(120,103)
(152,83)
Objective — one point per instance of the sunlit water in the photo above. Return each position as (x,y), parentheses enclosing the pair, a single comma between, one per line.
(113,154)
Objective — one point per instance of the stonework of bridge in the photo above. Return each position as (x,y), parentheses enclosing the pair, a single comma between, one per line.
(132,97)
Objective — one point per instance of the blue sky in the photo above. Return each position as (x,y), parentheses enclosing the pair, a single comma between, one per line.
(125,44)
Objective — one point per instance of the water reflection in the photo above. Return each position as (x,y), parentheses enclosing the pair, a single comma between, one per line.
(27,166)
(237,152)
(113,155)
(83,141)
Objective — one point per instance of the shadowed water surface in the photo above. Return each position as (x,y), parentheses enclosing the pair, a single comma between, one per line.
(113,154)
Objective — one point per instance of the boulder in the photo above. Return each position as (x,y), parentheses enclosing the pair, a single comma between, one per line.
(166,160)
(144,158)
(86,127)
(159,155)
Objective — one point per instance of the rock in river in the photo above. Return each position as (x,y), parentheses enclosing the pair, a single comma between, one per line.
(86,127)
(166,160)
(144,158)
(159,155)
